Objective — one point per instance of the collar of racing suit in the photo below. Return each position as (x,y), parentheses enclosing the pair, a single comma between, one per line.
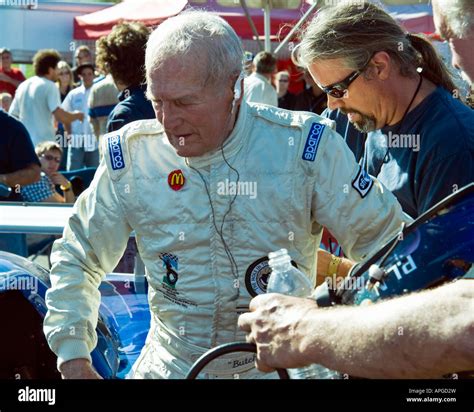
(232,144)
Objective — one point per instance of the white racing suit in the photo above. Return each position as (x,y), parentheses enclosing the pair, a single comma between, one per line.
(295,175)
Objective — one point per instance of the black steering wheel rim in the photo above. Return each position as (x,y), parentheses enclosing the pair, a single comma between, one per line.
(224,349)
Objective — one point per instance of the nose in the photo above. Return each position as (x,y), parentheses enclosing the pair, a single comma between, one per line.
(168,115)
(334,103)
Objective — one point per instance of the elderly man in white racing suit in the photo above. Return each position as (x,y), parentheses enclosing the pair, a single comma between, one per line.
(210,189)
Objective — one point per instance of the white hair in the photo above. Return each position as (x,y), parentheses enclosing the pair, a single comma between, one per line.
(458,15)
(204,36)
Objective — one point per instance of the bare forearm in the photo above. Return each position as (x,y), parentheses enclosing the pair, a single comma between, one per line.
(78,369)
(422,335)
(21,177)
(69,196)
(66,117)
(15,83)
(6,78)
(95,126)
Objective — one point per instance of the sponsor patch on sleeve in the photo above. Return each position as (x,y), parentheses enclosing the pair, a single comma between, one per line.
(115,151)
(363,182)
(312,142)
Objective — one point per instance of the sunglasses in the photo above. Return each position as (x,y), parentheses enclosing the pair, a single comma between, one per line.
(283,80)
(49,158)
(338,89)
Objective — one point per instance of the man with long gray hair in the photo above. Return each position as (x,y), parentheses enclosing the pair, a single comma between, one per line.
(377,63)
(392,99)
(454,21)
(209,189)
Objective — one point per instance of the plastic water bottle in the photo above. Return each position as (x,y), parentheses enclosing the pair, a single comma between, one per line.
(288,280)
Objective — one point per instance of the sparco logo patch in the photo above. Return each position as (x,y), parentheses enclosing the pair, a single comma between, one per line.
(312,142)
(115,152)
(363,182)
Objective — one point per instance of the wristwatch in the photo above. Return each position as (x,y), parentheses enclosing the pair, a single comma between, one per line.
(67,187)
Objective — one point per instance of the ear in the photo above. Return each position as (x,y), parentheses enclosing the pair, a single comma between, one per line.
(381,65)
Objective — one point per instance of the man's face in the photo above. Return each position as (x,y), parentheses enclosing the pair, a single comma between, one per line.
(53,73)
(50,161)
(87,77)
(360,99)
(461,49)
(463,57)
(83,57)
(6,61)
(6,102)
(283,82)
(196,118)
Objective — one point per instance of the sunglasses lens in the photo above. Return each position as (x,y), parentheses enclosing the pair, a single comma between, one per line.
(337,93)
(49,158)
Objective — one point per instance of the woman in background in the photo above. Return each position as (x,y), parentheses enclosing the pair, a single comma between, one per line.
(65,84)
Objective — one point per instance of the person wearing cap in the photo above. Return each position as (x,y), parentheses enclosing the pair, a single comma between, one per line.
(209,187)
(83,148)
(248,63)
(82,55)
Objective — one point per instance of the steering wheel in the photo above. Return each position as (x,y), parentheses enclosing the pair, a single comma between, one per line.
(221,350)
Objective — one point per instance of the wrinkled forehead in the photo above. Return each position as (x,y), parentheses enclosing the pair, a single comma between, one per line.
(160,54)
(174,75)
(180,67)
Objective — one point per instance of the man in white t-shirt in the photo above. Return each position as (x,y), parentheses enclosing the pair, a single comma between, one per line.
(258,87)
(37,99)
(83,150)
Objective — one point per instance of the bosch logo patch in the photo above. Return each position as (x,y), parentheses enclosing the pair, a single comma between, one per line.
(115,152)
(312,142)
(363,182)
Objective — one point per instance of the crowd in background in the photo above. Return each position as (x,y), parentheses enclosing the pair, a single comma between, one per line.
(74,107)
(58,116)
